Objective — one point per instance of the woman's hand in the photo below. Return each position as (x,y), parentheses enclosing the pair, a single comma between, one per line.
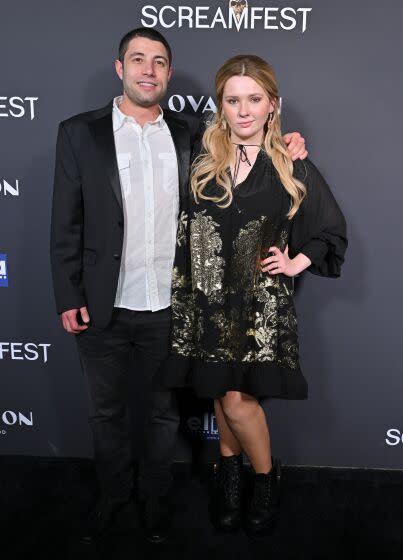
(280,263)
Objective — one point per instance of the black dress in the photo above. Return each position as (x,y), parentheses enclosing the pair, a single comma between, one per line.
(234,327)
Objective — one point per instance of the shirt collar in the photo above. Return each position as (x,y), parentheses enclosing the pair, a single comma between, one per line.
(120,118)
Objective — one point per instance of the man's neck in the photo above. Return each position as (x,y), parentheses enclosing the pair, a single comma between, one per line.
(141,114)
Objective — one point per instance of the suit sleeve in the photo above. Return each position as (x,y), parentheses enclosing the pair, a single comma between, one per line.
(67,227)
(319,228)
(197,138)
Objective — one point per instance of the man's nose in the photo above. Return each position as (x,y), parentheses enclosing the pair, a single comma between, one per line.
(148,68)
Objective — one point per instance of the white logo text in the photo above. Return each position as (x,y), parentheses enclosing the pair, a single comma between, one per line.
(21,351)
(204,17)
(17,107)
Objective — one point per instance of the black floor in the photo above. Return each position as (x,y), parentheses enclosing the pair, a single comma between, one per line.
(325,514)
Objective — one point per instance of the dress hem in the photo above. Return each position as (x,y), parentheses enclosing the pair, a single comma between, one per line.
(214,379)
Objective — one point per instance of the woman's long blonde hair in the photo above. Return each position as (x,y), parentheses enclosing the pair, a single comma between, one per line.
(216,156)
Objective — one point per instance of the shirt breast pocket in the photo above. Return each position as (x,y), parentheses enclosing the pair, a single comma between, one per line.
(124,173)
(169,171)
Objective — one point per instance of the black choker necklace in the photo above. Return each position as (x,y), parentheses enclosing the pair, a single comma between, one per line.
(256,145)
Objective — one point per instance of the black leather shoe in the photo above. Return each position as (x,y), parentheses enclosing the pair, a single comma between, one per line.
(156,516)
(226,502)
(101,520)
(264,502)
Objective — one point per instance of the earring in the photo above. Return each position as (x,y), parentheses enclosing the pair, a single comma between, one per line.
(270,118)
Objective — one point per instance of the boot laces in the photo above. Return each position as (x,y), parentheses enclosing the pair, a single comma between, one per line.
(262,492)
(229,477)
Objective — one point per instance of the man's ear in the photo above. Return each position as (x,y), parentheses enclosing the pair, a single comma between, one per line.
(170,72)
(119,68)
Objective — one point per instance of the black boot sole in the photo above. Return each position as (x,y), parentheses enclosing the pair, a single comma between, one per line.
(265,532)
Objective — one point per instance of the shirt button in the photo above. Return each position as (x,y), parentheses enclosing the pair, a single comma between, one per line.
(116,256)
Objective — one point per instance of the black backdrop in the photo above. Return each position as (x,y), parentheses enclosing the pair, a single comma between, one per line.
(341,86)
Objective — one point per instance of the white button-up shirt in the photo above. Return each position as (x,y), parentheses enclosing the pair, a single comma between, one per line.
(148,171)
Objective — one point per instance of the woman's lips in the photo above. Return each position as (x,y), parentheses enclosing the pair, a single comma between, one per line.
(245,124)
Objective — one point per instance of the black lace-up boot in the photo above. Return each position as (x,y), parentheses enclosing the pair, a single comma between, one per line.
(264,503)
(227,495)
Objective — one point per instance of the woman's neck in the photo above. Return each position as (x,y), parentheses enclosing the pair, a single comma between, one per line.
(255,140)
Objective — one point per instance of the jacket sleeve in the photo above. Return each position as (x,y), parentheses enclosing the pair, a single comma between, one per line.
(319,227)
(204,122)
(67,227)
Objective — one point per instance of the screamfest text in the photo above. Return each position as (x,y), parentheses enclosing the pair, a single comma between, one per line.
(208,17)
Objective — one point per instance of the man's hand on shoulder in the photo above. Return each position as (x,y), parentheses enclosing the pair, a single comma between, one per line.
(70,323)
(296,145)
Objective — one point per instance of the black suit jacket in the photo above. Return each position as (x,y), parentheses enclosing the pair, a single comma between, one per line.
(87,214)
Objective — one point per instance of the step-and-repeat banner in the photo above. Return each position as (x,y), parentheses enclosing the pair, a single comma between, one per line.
(338,65)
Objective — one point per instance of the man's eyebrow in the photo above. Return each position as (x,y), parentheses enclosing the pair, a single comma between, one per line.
(137,53)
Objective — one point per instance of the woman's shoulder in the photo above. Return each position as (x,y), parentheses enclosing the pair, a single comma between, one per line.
(307,172)
(304,169)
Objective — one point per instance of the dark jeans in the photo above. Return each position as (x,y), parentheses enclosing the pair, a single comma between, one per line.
(134,344)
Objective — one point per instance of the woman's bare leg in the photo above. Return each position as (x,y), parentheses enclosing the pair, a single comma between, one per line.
(229,445)
(245,419)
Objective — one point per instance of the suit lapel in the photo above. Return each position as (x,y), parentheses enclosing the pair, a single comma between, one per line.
(102,131)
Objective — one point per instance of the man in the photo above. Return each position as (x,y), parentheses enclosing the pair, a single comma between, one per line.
(120,179)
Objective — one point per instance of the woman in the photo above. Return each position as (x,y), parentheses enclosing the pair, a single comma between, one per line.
(254,221)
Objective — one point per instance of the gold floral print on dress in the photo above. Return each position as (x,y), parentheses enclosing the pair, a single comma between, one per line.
(207,264)
(182,227)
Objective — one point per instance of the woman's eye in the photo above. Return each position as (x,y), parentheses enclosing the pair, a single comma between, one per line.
(256,99)
(231,101)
